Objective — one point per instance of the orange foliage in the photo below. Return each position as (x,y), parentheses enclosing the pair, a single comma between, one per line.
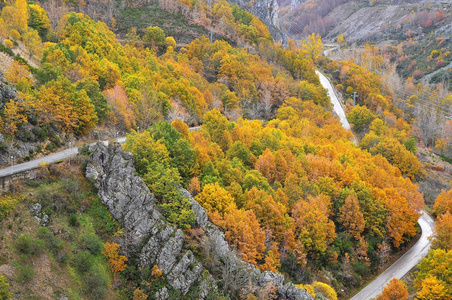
(394,290)
(117,262)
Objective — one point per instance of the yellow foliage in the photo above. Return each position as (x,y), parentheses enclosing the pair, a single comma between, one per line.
(215,198)
(8,43)
(325,290)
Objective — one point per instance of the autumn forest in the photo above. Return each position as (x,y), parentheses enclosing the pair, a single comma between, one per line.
(292,190)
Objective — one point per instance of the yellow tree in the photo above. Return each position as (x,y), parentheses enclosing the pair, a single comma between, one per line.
(15,15)
(434,278)
(313,46)
(313,228)
(19,75)
(12,115)
(33,43)
(433,289)
(340,39)
(325,290)
(215,198)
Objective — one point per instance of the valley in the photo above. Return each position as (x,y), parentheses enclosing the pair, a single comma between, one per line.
(252,163)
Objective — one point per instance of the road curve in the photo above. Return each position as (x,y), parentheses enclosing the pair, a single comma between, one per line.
(404,264)
(413,256)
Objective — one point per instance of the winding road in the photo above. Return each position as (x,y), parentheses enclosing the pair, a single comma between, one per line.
(404,264)
(397,270)
(413,256)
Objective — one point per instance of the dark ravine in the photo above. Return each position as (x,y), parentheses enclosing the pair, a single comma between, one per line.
(156,242)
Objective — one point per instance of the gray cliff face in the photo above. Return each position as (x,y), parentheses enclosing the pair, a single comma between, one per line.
(267,11)
(156,242)
(7,91)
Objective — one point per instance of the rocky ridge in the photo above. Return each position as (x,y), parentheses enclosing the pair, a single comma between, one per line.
(156,242)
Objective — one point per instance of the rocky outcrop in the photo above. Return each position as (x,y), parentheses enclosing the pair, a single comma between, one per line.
(133,205)
(156,242)
(7,91)
(267,11)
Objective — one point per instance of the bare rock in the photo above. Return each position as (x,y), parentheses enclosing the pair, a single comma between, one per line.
(133,205)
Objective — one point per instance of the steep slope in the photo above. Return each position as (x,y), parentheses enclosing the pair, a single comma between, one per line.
(155,242)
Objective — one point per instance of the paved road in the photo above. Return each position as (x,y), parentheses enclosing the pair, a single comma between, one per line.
(47,159)
(405,263)
(57,156)
(336,104)
(413,256)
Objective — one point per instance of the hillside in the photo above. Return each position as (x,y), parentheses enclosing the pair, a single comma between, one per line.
(294,205)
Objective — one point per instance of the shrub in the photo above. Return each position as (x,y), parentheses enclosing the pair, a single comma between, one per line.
(24,244)
(83,261)
(9,45)
(325,290)
(4,289)
(7,205)
(25,273)
(14,34)
(91,242)
(52,243)
(96,283)
(73,221)
(360,268)
(6,47)
(40,133)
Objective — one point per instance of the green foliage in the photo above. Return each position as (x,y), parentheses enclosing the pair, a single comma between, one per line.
(410,144)
(25,274)
(7,205)
(82,261)
(255,179)
(4,288)
(25,244)
(52,242)
(177,209)
(180,151)
(104,223)
(38,19)
(308,91)
(146,151)
(96,282)
(153,35)
(210,174)
(241,151)
(90,242)
(360,117)
(94,93)
(153,162)
(6,50)
(73,221)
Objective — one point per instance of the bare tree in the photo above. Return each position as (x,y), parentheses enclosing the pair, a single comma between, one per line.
(427,122)
(55,9)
